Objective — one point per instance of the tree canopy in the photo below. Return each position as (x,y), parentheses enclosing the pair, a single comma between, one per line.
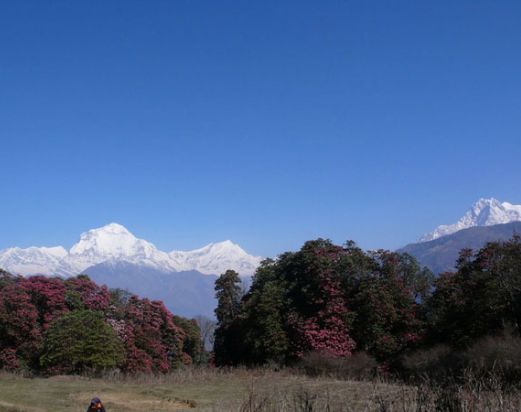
(329,299)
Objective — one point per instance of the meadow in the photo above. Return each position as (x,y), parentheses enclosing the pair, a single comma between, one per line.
(240,390)
(195,389)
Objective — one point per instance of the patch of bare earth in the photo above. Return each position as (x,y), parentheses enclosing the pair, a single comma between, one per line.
(137,402)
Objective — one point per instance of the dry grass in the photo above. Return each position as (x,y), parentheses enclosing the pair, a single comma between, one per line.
(242,391)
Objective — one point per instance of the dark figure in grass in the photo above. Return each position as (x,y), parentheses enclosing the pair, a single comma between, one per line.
(96,406)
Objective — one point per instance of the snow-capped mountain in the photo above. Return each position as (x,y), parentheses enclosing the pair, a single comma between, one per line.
(114,243)
(216,258)
(485,212)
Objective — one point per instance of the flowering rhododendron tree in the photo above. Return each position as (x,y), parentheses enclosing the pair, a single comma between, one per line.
(43,322)
(296,305)
(9,360)
(20,336)
(331,300)
(320,318)
(48,297)
(153,340)
(91,295)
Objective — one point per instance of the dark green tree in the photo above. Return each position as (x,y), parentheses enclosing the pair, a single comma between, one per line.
(81,341)
(386,304)
(481,298)
(192,338)
(263,317)
(228,293)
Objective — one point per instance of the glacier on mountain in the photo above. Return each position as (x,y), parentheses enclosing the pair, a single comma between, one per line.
(485,212)
(114,243)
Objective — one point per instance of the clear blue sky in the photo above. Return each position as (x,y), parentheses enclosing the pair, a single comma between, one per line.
(264,122)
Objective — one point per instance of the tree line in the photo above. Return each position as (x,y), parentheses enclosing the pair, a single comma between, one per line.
(338,300)
(326,300)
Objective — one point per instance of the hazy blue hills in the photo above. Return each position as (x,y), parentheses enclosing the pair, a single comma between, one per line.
(188,293)
(440,255)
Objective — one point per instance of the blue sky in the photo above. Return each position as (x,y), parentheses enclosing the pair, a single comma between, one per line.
(264,122)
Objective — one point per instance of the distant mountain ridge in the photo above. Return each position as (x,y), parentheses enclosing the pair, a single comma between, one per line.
(186,293)
(114,243)
(440,254)
(485,212)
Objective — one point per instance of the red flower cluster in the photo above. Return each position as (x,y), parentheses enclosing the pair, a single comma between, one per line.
(153,341)
(325,330)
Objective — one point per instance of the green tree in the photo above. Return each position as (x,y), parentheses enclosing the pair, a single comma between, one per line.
(263,316)
(388,316)
(228,294)
(81,341)
(481,298)
(192,338)
(296,305)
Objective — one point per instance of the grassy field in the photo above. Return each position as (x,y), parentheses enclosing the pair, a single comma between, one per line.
(205,390)
(238,390)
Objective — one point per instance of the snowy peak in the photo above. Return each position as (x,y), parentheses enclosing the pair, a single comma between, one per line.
(226,247)
(114,243)
(216,258)
(112,239)
(485,212)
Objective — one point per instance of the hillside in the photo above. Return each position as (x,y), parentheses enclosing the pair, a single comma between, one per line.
(440,254)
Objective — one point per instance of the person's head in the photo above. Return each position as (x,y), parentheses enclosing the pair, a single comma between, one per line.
(95,403)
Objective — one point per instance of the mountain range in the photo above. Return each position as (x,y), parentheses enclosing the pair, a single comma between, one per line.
(114,243)
(184,280)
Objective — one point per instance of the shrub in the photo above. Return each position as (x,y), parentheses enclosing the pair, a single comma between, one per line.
(493,358)
(499,356)
(439,363)
(359,366)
